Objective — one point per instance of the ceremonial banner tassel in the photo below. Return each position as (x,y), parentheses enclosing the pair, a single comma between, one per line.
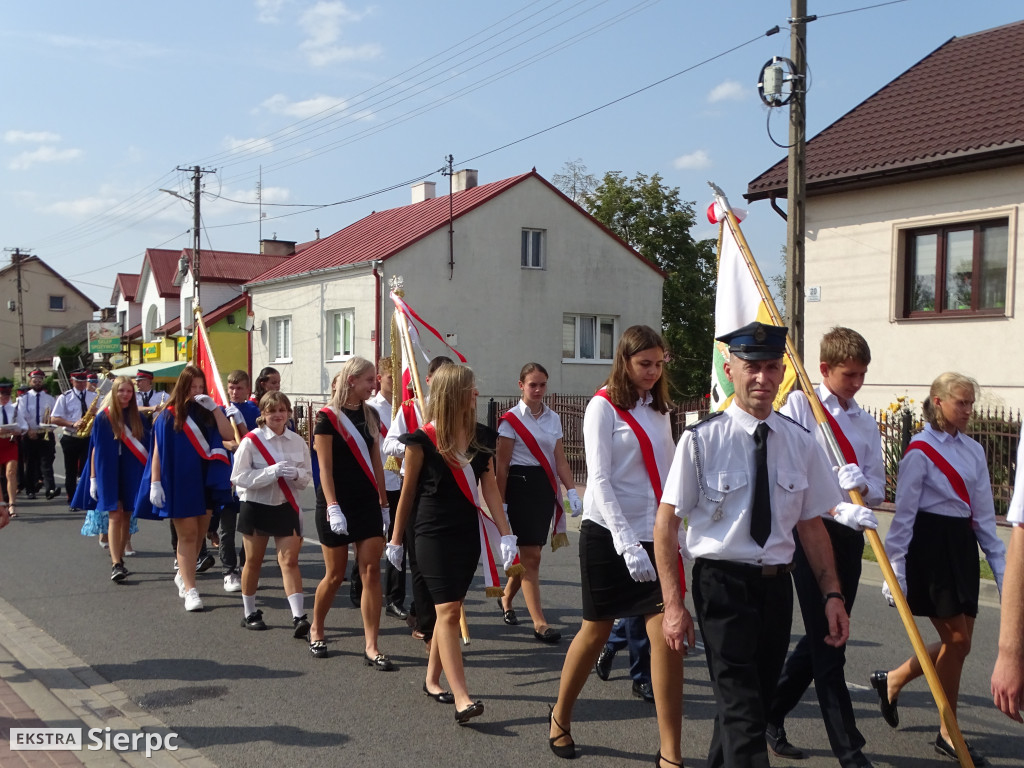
(731,224)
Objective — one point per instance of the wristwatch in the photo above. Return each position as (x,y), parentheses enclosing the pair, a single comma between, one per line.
(830,595)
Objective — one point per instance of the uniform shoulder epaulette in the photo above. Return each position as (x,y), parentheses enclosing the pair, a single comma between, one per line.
(705,419)
(793,421)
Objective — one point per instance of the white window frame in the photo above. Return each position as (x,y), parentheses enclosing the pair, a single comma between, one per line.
(346,319)
(599,321)
(63,304)
(529,258)
(280,350)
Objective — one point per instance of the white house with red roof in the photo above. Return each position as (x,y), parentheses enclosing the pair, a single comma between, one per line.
(510,272)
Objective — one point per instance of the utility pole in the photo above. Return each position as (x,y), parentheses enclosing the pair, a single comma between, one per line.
(16,259)
(450,173)
(796,183)
(197,177)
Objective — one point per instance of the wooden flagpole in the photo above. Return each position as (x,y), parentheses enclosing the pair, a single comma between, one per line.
(920,649)
(407,350)
(199,327)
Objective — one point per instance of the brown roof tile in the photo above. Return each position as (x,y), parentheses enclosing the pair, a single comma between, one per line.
(232,266)
(962,104)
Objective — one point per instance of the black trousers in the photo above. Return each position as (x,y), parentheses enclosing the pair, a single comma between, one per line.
(76,451)
(39,455)
(231,559)
(393,582)
(813,659)
(744,621)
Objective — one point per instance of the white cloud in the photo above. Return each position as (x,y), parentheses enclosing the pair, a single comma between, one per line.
(45,154)
(324,23)
(35,137)
(694,161)
(252,146)
(268,10)
(279,104)
(729,90)
(107,46)
(82,207)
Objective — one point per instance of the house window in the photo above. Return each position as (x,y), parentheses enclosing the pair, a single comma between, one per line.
(57,303)
(533,249)
(342,333)
(281,339)
(956,270)
(589,338)
(49,333)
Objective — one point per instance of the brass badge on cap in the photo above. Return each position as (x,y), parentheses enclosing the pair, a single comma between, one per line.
(760,334)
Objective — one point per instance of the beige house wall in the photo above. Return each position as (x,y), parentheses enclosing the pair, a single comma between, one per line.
(853,257)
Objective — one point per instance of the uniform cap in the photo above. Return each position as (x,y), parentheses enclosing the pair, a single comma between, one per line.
(757,341)
(37,373)
(6,386)
(143,375)
(79,375)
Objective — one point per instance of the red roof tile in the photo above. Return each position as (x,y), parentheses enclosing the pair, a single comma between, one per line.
(164,266)
(126,285)
(962,105)
(232,266)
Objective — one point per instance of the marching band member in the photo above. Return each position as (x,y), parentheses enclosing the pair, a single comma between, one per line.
(39,444)
(628,440)
(529,462)
(271,466)
(69,412)
(350,503)
(12,426)
(147,398)
(118,450)
(944,510)
(444,462)
(188,437)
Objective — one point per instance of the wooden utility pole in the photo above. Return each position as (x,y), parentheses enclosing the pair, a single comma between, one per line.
(21,315)
(796,183)
(197,178)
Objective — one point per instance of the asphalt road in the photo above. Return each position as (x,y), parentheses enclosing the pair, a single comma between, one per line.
(260,699)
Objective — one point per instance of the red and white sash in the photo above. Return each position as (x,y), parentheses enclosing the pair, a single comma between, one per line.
(269,458)
(959,486)
(132,443)
(844,442)
(199,442)
(466,480)
(525,432)
(412,420)
(343,426)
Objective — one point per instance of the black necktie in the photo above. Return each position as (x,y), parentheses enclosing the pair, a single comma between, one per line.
(37,409)
(761,512)
(4,409)
(81,399)
(145,398)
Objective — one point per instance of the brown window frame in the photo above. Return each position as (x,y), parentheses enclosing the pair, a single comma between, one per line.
(941,231)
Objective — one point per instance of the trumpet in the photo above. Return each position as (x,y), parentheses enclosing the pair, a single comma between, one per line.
(90,416)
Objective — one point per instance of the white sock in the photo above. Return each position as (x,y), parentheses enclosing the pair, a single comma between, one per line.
(249,604)
(295,601)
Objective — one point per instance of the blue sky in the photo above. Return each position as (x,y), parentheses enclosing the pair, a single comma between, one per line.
(102,101)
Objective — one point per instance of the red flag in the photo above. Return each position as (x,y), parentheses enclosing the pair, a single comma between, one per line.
(202,358)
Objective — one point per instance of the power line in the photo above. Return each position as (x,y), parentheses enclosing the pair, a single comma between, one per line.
(856,10)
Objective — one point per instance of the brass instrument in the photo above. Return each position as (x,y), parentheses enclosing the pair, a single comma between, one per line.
(45,427)
(90,416)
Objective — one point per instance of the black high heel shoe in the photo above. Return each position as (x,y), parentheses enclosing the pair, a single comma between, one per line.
(658,760)
(565,751)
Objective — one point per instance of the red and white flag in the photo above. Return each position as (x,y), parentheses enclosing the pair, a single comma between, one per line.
(202,358)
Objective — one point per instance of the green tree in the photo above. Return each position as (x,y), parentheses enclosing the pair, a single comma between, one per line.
(653,220)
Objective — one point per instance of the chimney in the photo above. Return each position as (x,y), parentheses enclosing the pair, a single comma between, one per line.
(464,179)
(277,247)
(317,233)
(424,190)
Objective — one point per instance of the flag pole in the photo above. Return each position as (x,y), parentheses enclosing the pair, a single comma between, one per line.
(920,650)
(407,350)
(200,328)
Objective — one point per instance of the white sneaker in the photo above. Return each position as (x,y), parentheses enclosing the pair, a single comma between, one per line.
(193,602)
(232,583)
(129,552)
(102,543)
(180,584)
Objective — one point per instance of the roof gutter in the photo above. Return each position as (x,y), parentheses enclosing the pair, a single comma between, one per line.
(378,300)
(310,273)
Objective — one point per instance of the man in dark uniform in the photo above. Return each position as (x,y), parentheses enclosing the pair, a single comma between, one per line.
(40,445)
(69,412)
(743,479)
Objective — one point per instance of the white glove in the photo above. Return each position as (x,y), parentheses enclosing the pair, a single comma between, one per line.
(888,595)
(205,401)
(94,489)
(337,520)
(235,415)
(395,554)
(385,516)
(156,494)
(509,550)
(851,478)
(287,470)
(574,502)
(855,516)
(639,563)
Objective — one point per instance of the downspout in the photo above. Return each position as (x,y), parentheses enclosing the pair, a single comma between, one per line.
(248,335)
(775,207)
(377,311)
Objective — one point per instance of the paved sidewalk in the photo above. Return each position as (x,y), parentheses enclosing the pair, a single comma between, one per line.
(42,684)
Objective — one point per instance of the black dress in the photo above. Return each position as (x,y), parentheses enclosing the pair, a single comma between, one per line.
(447,528)
(357,496)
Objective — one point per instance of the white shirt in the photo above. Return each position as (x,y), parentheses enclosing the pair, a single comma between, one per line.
(254,482)
(15,418)
(30,401)
(69,407)
(1015,514)
(923,487)
(391,445)
(155,398)
(716,502)
(860,429)
(548,434)
(392,480)
(619,495)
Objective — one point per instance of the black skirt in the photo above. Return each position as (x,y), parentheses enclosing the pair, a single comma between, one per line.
(255,519)
(364,523)
(943,573)
(531,503)
(609,592)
